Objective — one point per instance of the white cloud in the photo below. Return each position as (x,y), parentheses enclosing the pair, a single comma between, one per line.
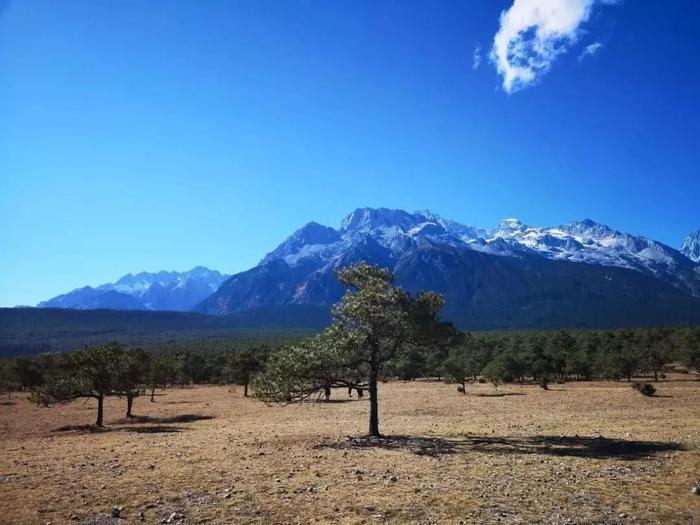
(476,57)
(533,33)
(590,50)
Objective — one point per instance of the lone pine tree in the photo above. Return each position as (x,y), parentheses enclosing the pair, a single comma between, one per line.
(374,323)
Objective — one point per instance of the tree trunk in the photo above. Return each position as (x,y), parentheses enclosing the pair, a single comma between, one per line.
(153,393)
(129,404)
(245,389)
(464,387)
(373,401)
(100,400)
(656,375)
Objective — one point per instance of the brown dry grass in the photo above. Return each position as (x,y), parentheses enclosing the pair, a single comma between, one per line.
(532,457)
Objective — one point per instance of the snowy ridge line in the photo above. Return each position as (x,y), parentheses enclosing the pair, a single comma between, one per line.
(583,241)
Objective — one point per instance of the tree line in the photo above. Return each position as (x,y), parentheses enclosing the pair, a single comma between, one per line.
(571,355)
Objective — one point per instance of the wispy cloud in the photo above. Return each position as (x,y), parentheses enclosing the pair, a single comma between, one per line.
(590,50)
(533,33)
(476,57)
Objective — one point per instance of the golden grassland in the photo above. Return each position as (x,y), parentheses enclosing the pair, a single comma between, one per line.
(595,452)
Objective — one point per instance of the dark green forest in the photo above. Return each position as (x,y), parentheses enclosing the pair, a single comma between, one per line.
(29,331)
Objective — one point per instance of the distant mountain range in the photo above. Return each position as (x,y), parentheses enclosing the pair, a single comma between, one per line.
(173,291)
(577,274)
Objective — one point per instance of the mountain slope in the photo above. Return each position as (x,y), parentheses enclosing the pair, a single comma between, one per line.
(175,291)
(486,292)
(577,274)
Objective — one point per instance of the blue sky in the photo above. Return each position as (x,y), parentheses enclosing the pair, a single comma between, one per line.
(147,135)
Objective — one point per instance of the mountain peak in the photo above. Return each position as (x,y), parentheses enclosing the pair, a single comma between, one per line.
(691,246)
(311,234)
(587,227)
(368,219)
(163,290)
(314,233)
(201,271)
(511,224)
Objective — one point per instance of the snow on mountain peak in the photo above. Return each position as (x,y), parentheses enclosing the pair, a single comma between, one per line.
(311,237)
(427,228)
(587,228)
(511,224)
(161,290)
(369,219)
(691,246)
(400,232)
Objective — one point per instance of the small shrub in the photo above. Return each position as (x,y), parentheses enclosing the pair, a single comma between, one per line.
(646,389)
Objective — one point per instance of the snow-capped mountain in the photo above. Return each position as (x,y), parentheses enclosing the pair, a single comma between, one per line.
(582,241)
(691,246)
(583,264)
(511,275)
(592,243)
(177,291)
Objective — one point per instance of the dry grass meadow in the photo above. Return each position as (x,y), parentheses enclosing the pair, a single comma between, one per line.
(579,453)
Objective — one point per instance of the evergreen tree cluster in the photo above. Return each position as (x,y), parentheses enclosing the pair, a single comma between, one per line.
(563,355)
(126,372)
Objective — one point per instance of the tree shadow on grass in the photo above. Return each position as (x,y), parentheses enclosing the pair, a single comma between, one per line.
(322,401)
(152,425)
(563,446)
(182,418)
(91,429)
(157,429)
(94,429)
(497,394)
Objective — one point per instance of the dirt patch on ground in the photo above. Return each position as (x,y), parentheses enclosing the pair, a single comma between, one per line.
(583,453)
